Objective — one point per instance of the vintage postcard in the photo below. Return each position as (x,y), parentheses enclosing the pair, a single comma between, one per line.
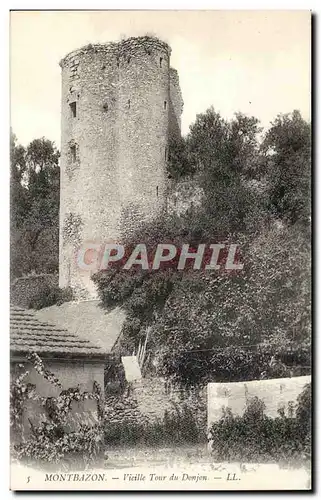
(160,224)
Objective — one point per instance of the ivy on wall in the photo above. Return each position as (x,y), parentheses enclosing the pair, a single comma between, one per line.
(51,440)
(72,228)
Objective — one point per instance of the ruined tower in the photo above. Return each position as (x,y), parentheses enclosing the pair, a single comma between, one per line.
(120,104)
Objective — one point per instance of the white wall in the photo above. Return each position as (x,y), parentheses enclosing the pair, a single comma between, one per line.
(274,392)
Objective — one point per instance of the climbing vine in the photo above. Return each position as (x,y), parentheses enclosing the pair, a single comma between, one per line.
(72,228)
(51,440)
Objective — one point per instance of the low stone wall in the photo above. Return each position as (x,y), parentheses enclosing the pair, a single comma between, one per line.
(155,396)
(26,288)
(149,398)
(275,393)
(122,409)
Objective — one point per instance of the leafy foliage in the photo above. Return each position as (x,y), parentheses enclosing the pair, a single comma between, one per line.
(20,392)
(254,437)
(287,148)
(217,325)
(224,156)
(178,164)
(40,368)
(177,427)
(50,295)
(34,206)
(51,440)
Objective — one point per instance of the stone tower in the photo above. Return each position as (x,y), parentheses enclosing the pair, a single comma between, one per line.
(120,104)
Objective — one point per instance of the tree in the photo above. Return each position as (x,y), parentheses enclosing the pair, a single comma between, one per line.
(18,192)
(178,164)
(43,187)
(220,327)
(34,205)
(287,150)
(225,155)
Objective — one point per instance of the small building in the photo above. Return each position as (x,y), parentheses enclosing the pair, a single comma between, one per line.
(75,361)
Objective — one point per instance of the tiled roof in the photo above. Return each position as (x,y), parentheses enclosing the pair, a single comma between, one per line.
(86,319)
(29,334)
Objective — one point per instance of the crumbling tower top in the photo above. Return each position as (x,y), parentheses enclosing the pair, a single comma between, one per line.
(126,47)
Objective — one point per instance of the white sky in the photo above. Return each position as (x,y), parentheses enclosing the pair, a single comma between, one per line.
(257,62)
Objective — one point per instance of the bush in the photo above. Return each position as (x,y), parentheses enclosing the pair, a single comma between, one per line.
(123,433)
(255,437)
(50,443)
(177,427)
(49,296)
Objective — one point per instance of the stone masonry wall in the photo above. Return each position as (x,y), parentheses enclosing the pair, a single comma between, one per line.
(116,103)
(149,399)
(176,104)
